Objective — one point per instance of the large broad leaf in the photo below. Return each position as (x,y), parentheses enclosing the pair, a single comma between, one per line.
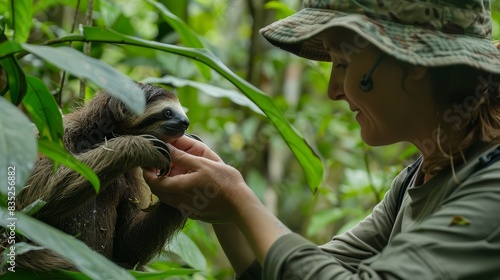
(18,149)
(208,89)
(21,19)
(39,275)
(87,261)
(184,247)
(309,161)
(188,36)
(60,155)
(43,110)
(94,70)
(27,274)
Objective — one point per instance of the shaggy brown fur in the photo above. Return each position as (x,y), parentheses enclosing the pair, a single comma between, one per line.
(115,144)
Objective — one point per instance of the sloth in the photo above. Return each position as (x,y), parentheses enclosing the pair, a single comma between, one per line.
(122,221)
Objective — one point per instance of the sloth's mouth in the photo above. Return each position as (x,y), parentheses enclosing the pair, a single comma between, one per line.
(173,131)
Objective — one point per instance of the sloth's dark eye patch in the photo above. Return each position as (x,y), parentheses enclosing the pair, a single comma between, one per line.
(158,117)
(168,113)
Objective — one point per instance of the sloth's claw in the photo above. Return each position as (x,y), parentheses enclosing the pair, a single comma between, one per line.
(159,145)
(163,171)
(194,136)
(162,148)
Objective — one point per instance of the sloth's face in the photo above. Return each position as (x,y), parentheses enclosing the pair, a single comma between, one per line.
(164,118)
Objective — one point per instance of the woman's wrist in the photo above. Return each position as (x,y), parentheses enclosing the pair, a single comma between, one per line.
(259,226)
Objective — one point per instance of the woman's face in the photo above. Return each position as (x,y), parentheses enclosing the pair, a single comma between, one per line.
(399,107)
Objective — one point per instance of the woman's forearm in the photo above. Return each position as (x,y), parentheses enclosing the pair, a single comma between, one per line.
(259,226)
(235,246)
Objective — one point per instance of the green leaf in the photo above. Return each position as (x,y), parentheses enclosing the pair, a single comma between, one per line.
(188,36)
(44,275)
(183,246)
(16,80)
(208,89)
(282,10)
(27,274)
(98,72)
(18,148)
(309,161)
(16,87)
(163,274)
(58,154)
(43,110)
(9,47)
(21,19)
(87,261)
(109,12)
(44,5)
(33,207)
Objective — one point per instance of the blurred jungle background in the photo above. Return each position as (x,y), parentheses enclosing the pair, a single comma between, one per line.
(355,176)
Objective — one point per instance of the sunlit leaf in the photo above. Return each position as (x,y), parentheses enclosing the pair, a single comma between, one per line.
(96,71)
(282,10)
(60,155)
(18,147)
(21,19)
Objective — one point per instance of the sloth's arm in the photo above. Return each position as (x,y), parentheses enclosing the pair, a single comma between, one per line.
(66,191)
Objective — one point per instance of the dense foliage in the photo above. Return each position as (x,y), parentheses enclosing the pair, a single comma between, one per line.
(263,110)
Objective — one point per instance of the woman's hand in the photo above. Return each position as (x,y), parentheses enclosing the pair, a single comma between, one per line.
(199,184)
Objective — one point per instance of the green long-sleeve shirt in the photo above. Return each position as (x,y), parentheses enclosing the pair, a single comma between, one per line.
(447,228)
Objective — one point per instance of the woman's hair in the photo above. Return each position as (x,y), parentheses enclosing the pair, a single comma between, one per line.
(468,100)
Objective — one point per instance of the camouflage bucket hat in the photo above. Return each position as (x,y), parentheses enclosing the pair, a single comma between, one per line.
(420,32)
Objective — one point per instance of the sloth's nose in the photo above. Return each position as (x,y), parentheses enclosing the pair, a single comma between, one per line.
(184,123)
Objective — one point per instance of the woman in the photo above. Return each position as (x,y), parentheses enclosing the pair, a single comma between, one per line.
(424,72)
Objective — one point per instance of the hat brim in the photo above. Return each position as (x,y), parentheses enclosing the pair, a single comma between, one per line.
(412,44)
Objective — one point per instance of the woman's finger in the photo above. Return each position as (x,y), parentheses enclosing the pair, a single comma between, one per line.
(195,147)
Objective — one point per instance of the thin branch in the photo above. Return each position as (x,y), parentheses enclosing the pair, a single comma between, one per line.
(87,46)
(63,76)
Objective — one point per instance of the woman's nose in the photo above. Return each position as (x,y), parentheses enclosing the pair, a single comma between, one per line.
(335,86)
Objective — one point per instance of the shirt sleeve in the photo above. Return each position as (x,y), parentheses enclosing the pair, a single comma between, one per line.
(458,240)
(361,242)
(369,237)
